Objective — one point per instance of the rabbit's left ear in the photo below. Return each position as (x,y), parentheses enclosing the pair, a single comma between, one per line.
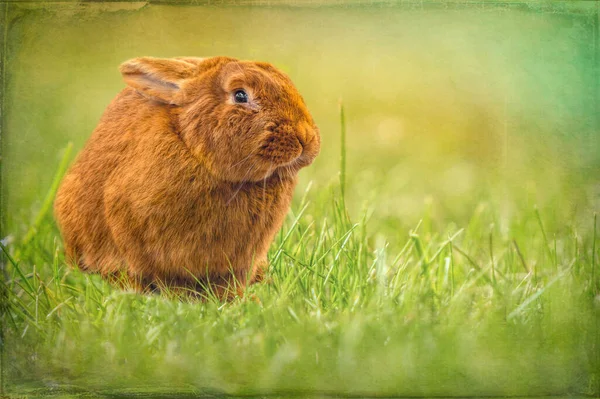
(191,60)
(158,78)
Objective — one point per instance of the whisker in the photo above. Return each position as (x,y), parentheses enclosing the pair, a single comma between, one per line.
(237,163)
(239,187)
(265,187)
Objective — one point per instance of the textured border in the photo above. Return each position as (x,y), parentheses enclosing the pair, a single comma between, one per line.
(3,50)
(590,8)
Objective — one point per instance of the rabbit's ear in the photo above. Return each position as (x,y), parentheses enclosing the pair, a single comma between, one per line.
(191,60)
(158,78)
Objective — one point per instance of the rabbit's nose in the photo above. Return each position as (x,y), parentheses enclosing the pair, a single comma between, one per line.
(301,131)
(307,133)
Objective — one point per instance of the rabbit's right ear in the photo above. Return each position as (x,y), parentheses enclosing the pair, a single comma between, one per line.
(158,78)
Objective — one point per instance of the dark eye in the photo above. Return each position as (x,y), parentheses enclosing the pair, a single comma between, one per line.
(240,96)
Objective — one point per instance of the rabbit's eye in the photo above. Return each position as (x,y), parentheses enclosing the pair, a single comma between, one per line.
(240,96)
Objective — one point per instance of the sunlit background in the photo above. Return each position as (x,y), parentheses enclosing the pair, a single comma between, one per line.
(446,106)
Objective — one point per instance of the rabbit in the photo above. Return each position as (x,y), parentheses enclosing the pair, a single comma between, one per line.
(188,175)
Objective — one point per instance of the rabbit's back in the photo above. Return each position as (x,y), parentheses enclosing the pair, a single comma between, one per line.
(79,205)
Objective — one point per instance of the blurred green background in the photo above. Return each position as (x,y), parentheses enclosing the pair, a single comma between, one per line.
(448,103)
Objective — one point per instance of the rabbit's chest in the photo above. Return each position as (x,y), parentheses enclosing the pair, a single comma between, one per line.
(241,215)
(196,228)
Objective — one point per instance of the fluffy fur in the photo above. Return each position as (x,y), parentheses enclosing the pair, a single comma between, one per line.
(179,185)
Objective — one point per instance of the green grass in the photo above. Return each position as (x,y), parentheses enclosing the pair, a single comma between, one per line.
(464,310)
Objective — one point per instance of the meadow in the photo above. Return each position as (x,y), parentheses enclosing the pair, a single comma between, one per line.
(444,243)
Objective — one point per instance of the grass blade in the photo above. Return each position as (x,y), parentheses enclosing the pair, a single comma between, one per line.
(47,204)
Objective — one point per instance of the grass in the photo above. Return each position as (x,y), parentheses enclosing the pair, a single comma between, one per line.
(461,311)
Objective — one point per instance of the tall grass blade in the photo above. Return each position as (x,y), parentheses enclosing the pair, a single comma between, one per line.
(47,204)
(343,154)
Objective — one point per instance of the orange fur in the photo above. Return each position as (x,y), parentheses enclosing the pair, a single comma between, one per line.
(180,186)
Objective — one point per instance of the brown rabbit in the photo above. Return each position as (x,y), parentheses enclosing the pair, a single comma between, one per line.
(188,176)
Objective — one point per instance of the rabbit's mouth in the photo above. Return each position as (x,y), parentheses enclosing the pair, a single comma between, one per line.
(282,146)
(261,167)
(280,152)
(292,167)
